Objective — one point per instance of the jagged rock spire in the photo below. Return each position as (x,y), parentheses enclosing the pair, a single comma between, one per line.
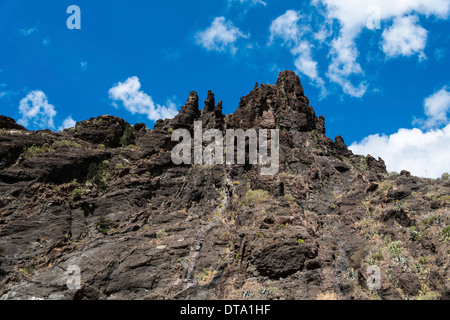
(209,102)
(212,116)
(188,113)
(290,82)
(282,106)
(192,100)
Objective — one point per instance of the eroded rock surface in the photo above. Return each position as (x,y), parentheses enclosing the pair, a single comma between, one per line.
(105,196)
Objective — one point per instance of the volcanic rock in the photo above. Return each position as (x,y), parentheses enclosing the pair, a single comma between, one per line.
(107,198)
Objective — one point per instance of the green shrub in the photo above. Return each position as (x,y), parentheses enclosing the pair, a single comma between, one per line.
(161,233)
(96,173)
(414,234)
(395,248)
(378,256)
(65,144)
(45,148)
(2,250)
(398,206)
(128,137)
(282,226)
(289,197)
(254,197)
(103,225)
(429,220)
(432,194)
(350,273)
(429,295)
(423,260)
(37,150)
(77,192)
(445,176)
(386,186)
(446,233)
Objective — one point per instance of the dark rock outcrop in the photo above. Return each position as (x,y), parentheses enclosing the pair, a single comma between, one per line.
(9,123)
(106,197)
(282,106)
(106,130)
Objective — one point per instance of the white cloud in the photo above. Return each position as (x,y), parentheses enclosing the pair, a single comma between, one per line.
(352,17)
(248,2)
(305,64)
(436,108)
(2,92)
(221,36)
(439,53)
(83,65)
(46,41)
(67,123)
(424,154)
(28,31)
(286,28)
(5,93)
(137,101)
(323,33)
(353,14)
(36,110)
(405,38)
(343,65)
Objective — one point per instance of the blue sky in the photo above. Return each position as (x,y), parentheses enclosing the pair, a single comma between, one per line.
(377,70)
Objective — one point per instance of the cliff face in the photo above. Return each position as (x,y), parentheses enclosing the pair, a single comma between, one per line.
(106,197)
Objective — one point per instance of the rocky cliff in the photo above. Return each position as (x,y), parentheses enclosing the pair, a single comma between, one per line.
(105,196)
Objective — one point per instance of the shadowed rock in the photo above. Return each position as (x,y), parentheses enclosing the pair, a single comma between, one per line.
(9,123)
